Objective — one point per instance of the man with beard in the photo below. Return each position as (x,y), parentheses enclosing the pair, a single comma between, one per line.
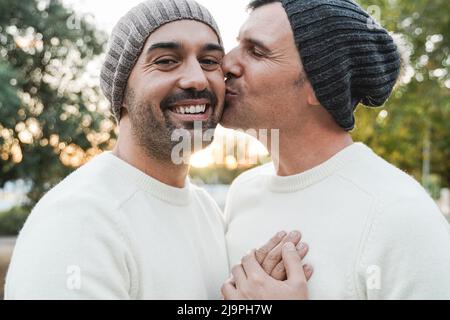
(129,224)
(374,233)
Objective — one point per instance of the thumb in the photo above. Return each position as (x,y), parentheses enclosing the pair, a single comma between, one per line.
(293,264)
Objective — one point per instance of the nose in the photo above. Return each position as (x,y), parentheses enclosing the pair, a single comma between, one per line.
(231,65)
(193,77)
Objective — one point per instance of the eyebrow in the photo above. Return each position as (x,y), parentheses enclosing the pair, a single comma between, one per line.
(164,45)
(213,47)
(171,45)
(256,43)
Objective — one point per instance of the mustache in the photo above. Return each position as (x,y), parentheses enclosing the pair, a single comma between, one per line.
(189,94)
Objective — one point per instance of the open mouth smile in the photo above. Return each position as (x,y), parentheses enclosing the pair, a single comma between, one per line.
(191,110)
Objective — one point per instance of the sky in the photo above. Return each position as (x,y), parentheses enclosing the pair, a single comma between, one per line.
(229,14)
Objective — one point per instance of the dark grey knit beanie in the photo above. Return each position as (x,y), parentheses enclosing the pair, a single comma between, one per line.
(129,35)
(347,56)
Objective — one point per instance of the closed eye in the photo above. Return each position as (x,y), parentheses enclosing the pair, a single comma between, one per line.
(255,52)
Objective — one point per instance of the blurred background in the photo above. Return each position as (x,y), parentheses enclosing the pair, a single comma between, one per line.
(53,117)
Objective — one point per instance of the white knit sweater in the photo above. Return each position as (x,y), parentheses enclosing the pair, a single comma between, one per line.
(109,231)
(373,231)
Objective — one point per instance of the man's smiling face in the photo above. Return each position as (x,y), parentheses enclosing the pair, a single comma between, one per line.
(176,81)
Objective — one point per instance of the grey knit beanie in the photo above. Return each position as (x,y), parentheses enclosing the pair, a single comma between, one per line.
(130,34)
(347,56)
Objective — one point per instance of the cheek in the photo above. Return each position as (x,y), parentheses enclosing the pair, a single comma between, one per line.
(154,90)
(261,88)
(272,96)
(217,84)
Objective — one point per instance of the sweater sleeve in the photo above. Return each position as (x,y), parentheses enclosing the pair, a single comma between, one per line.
(69,252)
(407,253)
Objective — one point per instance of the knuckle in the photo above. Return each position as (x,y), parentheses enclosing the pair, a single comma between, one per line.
(279,268)
(279,272)
(266,266)
(273,256)
(262,251)
(274,241)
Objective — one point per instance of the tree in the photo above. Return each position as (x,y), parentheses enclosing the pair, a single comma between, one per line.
(418,113)
(50,116)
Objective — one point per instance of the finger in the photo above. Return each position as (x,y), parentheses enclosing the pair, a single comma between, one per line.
(279,272)
(308,269)
(239,275)
(251,265)
(262,252)
(274,256)
(229,291)
(293,264)
(302,249)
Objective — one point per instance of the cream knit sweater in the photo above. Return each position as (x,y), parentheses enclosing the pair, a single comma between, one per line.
(109,231)
(373,231)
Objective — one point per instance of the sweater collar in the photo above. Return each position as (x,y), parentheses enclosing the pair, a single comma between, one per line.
(162,191)
(286,184)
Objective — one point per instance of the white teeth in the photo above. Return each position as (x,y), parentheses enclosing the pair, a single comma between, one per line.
(191,109)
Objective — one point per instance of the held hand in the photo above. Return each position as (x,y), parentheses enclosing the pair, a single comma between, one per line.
(269,255)
(250,281)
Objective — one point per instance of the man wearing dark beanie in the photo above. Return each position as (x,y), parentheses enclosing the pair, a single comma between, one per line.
(303,66)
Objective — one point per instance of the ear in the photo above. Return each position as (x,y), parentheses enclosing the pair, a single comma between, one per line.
(125,99)
(311,96)
(123,111)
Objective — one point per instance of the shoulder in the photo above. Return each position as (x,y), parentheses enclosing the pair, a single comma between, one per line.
(380,179)
(96,182)
(87,200)
(401,203)
(405,216)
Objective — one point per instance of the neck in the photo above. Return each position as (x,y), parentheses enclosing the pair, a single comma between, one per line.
(306,149)
(164,171)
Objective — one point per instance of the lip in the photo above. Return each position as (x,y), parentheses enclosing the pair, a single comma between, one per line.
(230,92)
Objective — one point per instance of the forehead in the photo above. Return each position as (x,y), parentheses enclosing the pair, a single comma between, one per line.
(268,23)
(187,32)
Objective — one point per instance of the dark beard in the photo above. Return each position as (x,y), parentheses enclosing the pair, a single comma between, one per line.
(150,134)
(154,136)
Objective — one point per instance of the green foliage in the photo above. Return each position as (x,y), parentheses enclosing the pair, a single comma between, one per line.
(12,221)
(44,107)
(419,109)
